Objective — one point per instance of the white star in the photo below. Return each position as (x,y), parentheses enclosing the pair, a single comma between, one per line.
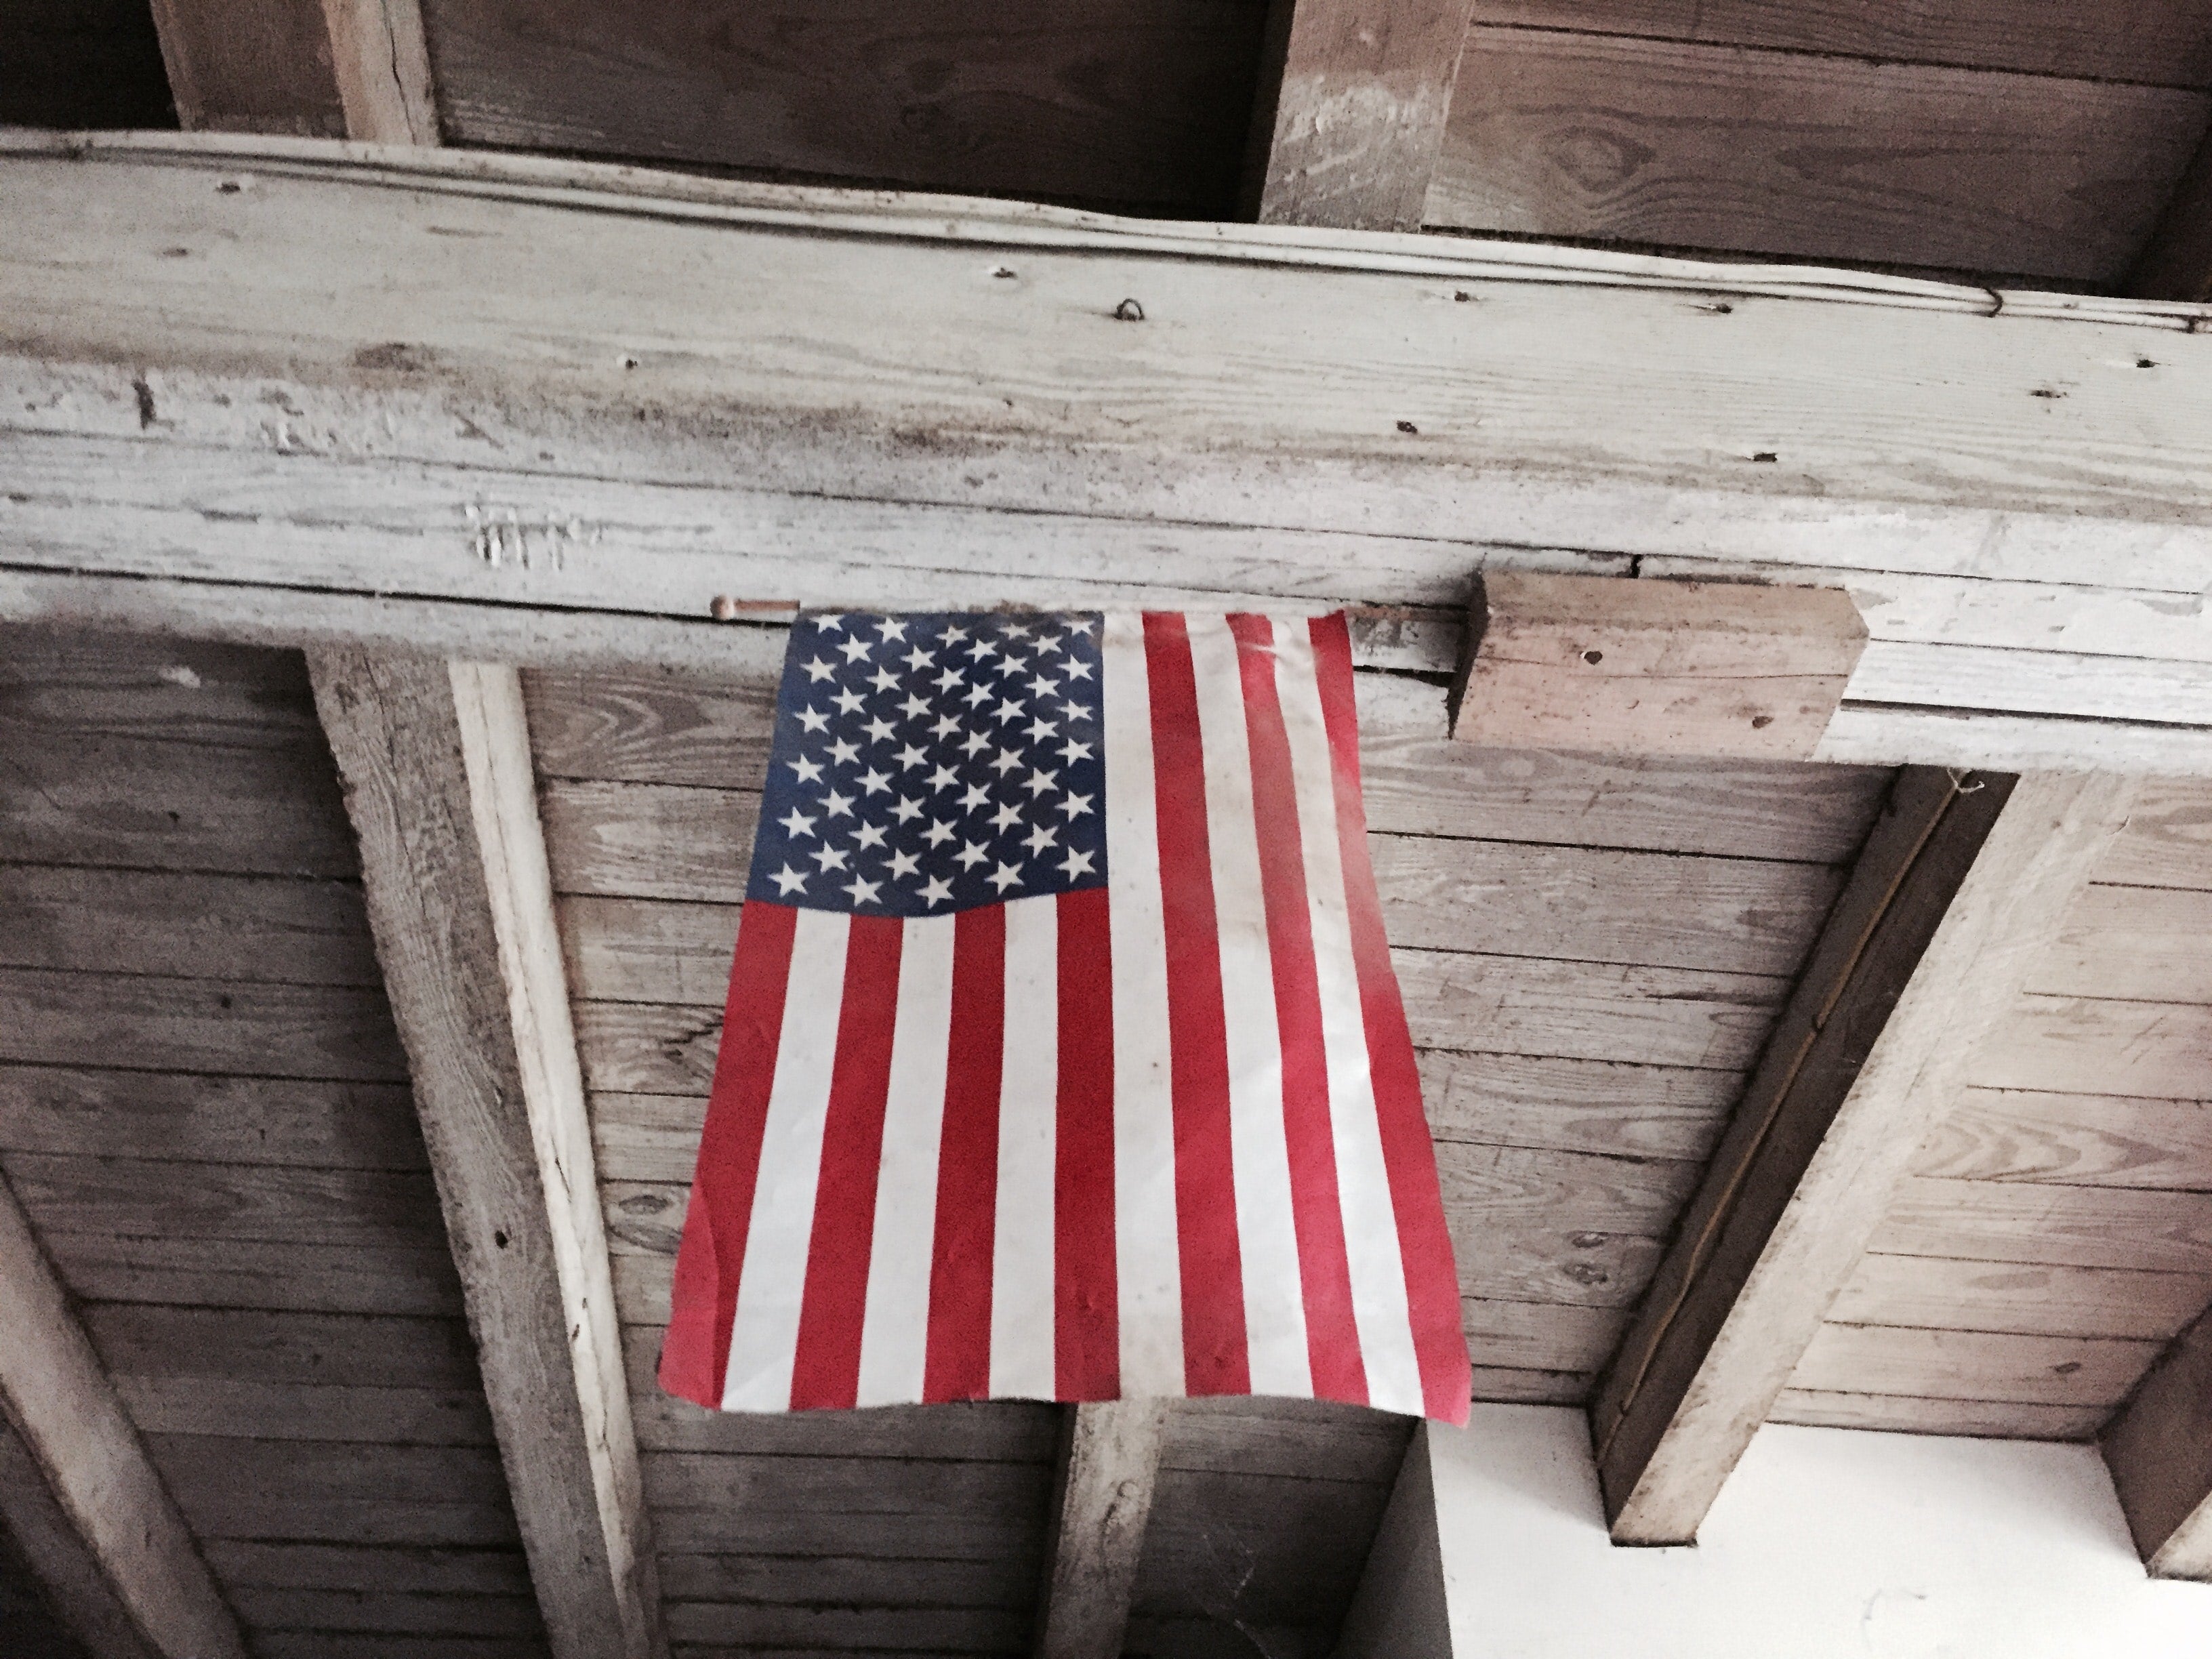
(1012,666)
(863,892)
(1076,711)
(813,720)
(1080,624)
(830,857)
(936,891)
(1075,864)
(906,811)
(880,730)
(1042,836)
(838,807)
(919,659)
(1016,631)
(873,783)
(1071,751)
(943,778)
(970,856)
(909,758)
(904,863)
(977,696)
(870,835)
(915,707)
(848,703)
(1044,688)
(1004,876)
(891,628)
(954,635)
(843,752)
(982,649)
(817,671)
(1006,760)
(976,796)
(855,649)
(938,832)
(1076,669)
(1006,818)
(789,881)
(884,680)
(951,678)
(1047,642)
(1041,781)
(1076,806)
(798,823)
(1009,710)
(945,727)
(829,620)
(809,771)
(974,743)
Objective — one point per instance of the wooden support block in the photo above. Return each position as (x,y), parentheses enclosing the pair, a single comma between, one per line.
(436,763)
(1964,883)
(77,1486)
(2158,1447)
(1110,1460)
(1720,670)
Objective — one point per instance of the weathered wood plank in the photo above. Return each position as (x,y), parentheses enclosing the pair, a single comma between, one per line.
(362,1209)
(1717,147)
(436,761)
(384,1278)
(1963,884)
(2060,1227)
(274,1515)
(93,684)
(2146,943)
(2176,262)
(1533,1388)
(838,1581)
(1996,1419)
(1261,1549)
(1350,115)
(1721,669)
(2168,840)
(264,66)
(328,1566)
(1527,1336)
(1612,1107)
(381,63)
(398,1612)
(2158,1447)
(801,1528)
(306,1411)
(139,1340)
(2057,1371)
(1317,1440)
(2094,1045)
(70,1111)
(51,1586)
(2164,42)
(1104,1474)
(1938,1293)
(722,1625)
(62,1412)
(731,1482)
(349,1644)
(2073,1140)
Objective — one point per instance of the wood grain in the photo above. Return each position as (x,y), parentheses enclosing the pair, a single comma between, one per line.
(2086,1045)
(327,1411)
(2160,1457)
(58,1602)
(2149,944)
(1719,147)
(362,1209)
(1940,1293)
(2061,1226)
(1979,1366)
(1105,1475)
(74,1111)
(1997,1419)
(2075,1140)
(387,1277)
(261,67)
(2168,840)
(1614,1107)
(335,1567)
(361,1350)
(1141,105)
(93,684)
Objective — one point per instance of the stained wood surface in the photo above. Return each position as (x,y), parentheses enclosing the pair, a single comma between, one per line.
(1140,105)
(1824,157)
(264,66)
(1106,1470)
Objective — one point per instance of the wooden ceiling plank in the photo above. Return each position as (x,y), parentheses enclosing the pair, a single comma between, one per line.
(382,63)
(249,66)
(1108,1465)
(1350,116)
(78,1488)
(435,757)
(2159,1449)
(1963,883)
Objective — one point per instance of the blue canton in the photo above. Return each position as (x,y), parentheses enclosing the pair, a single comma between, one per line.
(929,763)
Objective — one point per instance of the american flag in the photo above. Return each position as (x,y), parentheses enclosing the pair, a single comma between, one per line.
(1063,1057)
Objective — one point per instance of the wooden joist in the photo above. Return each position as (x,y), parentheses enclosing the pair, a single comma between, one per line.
(1108,1462)
(382,61)
(435,759)
(1723,671)
(1351,116)
(458,396)
(78,1487)
(1963,882)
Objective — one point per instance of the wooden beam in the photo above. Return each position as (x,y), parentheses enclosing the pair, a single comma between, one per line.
(1964,884)
(382,61)
(1350,118)
(249,66)
(1713,669)
(1109,1458)
(467,383)
(77,1488)
(2176,262)
(1399,1609)
(2158,1447)
(436,764)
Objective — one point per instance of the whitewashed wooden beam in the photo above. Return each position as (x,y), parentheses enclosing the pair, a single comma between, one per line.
(327,390)
(77,1486)
(1351,116)
(1962,888)
(1108,1463)
(382,60)
(2158,1447)
(436,761)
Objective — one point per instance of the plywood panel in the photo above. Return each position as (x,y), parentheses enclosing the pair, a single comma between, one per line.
(1143,103)
(1718,147)
(2165,42)
(1939,1293)
(2079,1140)
(1975,1365)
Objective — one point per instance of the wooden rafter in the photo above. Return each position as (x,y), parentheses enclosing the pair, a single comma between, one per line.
(1350,116)
(1109,1460)
(77,1486)
(1963,884)
(435,759)
(383,64)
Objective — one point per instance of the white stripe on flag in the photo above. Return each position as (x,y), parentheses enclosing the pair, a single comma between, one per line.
(895,1329)
(1266,1229)
(1023,1351)
(764,1334)
(1379,1306)
(1148,1265)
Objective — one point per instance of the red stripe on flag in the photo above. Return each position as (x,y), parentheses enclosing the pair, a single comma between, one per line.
(958,1363)
(1215,1356)
(1316,1211)
(695,1355)
(1431,1282)
(1087,1294)
(826,1364)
